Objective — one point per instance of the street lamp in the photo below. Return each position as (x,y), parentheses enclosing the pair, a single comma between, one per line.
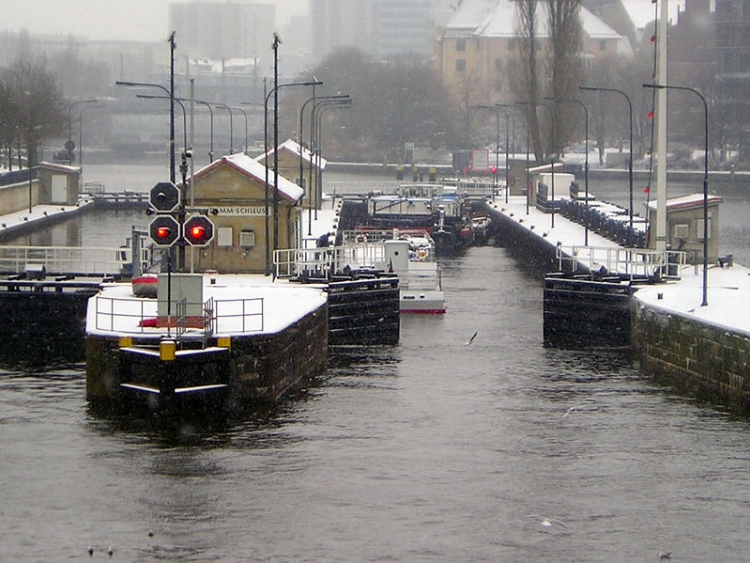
(69,145)
(80,131)
(170,95)
(630,157)
(231,126)
(497,110)
(274,90)
(309,190)
(507,155)
(586,165)
(211,129)
(183,172)
(705,179)
(245,114)
(551,160)
(316,114)
(527,105)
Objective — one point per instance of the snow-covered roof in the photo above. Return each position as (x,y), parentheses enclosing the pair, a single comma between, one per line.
(254,170)
(57,167)
(691,201)
(480,18)
(293,147)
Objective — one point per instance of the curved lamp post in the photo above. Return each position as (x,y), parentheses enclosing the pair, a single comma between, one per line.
(317,111)
(245,114)
(183,173)
(630,157)
(273,91)
(301,148)
(586,165)
(170,95)
(705,178)
(70,120)
(80,131)
(497,109)
(231,125)
(551,160)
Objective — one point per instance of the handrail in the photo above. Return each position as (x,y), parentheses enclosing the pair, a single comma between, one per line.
(124,315)
(631,262)
(64,259)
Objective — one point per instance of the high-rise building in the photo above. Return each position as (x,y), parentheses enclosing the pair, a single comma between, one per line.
(223,31)
(380,28)
(732,19)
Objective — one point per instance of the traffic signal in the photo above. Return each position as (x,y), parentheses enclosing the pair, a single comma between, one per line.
(198,230)
(164,196)
(164,230)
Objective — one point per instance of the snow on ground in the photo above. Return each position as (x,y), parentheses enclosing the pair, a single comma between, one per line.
(11,221)
(242,304)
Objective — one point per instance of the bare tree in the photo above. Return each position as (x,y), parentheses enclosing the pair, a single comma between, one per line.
(566,38)
(561,64)
(32,107)
(525,80)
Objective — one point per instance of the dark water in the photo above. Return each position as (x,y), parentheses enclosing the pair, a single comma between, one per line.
(432,451)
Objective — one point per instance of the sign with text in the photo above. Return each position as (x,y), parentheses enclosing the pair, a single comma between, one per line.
(246,211)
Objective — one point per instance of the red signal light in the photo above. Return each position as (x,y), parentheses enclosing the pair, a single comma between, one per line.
(164,230)
(199,230)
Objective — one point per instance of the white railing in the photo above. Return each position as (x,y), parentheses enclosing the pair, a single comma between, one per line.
(633,262)
(319,262)
(124,315)
(64,259)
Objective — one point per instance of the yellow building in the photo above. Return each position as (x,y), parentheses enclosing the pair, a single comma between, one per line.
(479,45)
(233,190)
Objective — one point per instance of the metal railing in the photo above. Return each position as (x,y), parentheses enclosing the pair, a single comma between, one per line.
(122,315)
(64,259)
(321,263)
(630,262)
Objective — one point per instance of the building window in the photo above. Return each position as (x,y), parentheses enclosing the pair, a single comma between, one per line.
(460,44)
(460,65)
(602,45)
(498,65)
(700,229)
(498,85)
(247,239)
(681,231)
(512,44)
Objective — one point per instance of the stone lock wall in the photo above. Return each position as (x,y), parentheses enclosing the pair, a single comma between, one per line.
(711,363)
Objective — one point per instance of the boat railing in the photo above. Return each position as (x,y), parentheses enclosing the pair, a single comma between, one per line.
(124,315)
(64,259)
(421,280)
(374,234)
(629,262)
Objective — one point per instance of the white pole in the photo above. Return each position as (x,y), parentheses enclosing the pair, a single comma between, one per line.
(661,139)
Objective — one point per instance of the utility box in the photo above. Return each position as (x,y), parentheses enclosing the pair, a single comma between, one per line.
(187,287)
(396,256)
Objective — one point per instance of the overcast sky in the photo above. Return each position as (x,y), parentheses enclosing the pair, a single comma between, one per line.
(148,20)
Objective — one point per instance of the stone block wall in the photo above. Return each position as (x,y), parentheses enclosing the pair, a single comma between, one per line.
(709,362)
